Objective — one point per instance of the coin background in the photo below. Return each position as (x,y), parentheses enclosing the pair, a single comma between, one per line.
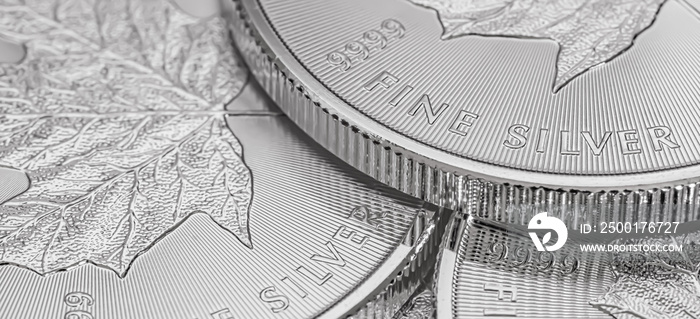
(302,196)
(505,81)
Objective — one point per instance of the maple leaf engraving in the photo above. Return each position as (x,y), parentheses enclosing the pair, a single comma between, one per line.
(588,32)
(664,285)
(116,115)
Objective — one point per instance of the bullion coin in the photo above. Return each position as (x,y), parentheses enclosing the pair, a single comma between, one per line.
(489,269)
(588,107)
(143,175)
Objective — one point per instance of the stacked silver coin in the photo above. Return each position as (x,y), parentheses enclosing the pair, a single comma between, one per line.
(349,159)
(550,128)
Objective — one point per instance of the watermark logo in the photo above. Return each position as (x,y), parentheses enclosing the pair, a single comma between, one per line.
(543,222)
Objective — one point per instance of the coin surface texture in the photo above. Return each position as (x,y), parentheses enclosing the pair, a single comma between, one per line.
(580,99)
(143,176)
(490,269)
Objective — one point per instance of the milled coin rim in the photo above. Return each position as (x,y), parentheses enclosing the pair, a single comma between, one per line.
(322,97)
(446,264)
(409,258)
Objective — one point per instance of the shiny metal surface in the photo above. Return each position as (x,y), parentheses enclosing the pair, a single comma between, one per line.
(489,269)
(144,176)
(584,106)
(304,258)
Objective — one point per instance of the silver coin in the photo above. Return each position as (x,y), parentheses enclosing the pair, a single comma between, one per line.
(489,269)
(143,176)
(542,103)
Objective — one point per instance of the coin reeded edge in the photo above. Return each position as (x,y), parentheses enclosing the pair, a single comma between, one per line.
(394,282)
(334,105)
(390,164)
